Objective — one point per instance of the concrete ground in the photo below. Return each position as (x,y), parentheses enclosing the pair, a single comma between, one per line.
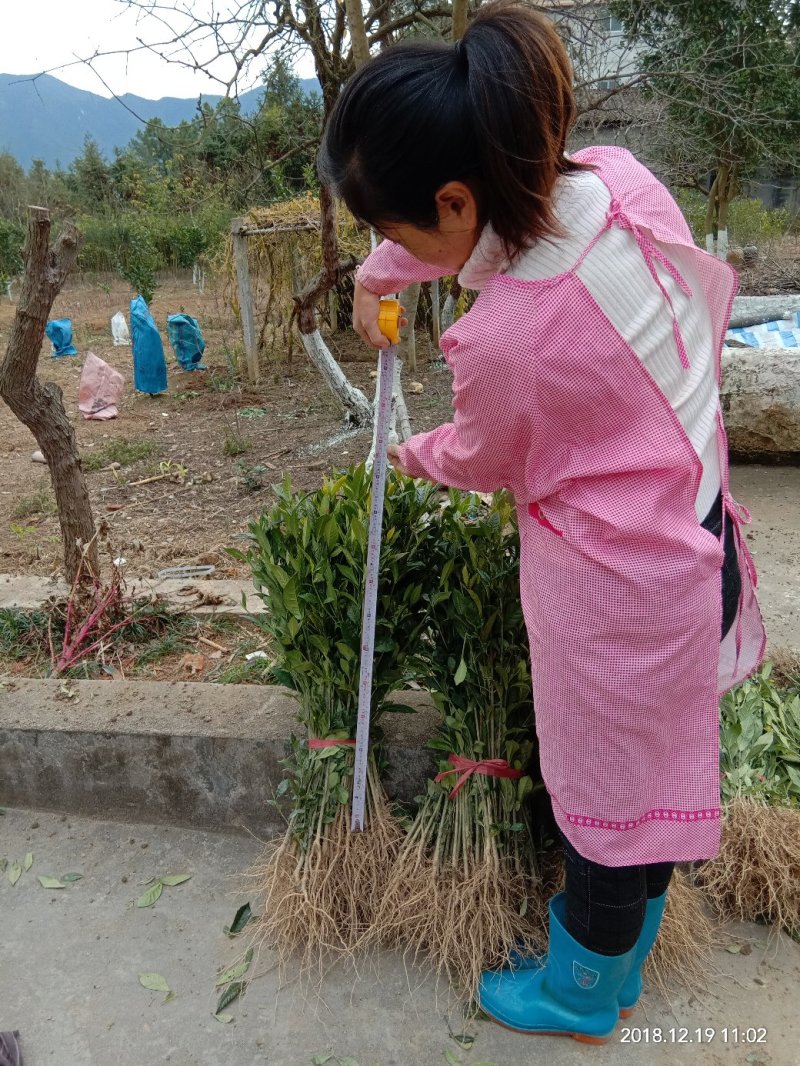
(71,958)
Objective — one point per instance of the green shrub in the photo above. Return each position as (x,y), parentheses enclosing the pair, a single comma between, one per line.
(760,739)
(749,222)
(12,238)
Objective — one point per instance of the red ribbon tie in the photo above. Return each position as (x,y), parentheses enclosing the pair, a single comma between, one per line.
(468,767)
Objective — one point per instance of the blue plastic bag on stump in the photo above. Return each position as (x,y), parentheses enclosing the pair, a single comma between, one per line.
(59,330)
(187,341)
(149,365)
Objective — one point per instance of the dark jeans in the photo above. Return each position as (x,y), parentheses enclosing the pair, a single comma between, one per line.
(731,575)
(606,904)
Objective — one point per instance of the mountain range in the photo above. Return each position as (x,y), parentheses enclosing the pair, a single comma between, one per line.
(44,118)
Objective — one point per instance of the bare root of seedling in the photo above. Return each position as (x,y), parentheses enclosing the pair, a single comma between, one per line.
(318,903)
(459,923)
(682,952)
(460,917)
(756,876)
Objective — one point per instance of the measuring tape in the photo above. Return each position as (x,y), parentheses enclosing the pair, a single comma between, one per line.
(389,325)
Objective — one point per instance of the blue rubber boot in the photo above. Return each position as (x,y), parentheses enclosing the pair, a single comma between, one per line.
(573,994)
(632,988)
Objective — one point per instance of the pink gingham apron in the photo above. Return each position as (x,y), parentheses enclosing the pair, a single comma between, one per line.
(620,583)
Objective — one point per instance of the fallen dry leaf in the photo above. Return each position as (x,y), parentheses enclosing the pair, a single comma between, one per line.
(192,664)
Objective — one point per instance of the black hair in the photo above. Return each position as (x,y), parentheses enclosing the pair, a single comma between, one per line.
(492,111)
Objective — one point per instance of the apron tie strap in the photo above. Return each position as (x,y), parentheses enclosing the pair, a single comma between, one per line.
(652,254)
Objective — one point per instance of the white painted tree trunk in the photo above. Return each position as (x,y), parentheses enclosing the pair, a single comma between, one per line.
(448,312)
(760,398)
(752,310)
(399,422)
(722,244)
(358,408)
(403,421)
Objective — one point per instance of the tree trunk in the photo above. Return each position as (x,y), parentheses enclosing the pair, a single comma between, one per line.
(711,215)
(436,321)
(760,397)
(353,400)
(727,191)
(460,11)
(40,407)
(409,298)
(358,33)
(355,403)
(449,309)
(753,310)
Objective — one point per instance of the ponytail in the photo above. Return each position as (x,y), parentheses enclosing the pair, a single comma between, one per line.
(493,111)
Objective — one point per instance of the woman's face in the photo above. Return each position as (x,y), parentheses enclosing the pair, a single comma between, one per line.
(450,244)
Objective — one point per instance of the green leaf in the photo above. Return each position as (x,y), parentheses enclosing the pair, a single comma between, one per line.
(321,1058)
(154,981)
(175,879)
(169,996)
(290,600)
(14,872)
(226,1019)
(464,1039)
(148,898)
(27,861)
(238,970)
(347,1061)
(232,992)
(460,673)
(734,949)
(71,877)
(452,1060)
(51,882)
(243,915)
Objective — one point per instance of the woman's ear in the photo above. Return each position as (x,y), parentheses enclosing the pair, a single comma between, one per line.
(456,206)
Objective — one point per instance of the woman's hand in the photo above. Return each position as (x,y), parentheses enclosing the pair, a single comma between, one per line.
(393,452)
(366,306)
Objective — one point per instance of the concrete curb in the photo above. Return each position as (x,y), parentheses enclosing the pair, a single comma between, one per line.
(179,753)
(202,597)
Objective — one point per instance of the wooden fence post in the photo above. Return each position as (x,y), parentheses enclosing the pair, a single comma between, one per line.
(239,235)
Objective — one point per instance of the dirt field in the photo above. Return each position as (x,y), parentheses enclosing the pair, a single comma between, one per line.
(209,494)
(190,511)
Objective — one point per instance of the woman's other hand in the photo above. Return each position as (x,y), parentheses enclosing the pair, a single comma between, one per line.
(393,452)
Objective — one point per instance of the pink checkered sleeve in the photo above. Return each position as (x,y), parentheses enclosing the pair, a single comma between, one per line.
(390,268)
(475,451)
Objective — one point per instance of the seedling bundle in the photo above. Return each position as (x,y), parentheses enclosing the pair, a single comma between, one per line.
(321,882)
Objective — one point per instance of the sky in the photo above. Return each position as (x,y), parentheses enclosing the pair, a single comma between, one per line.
(54,36)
